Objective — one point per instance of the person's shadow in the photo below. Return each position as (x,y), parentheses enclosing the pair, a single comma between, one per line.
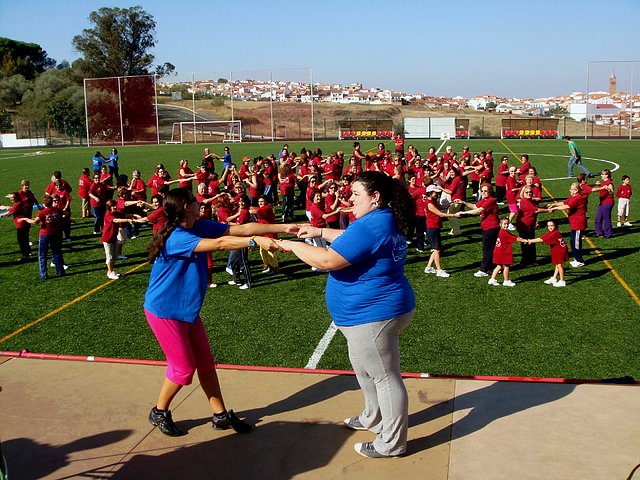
(485,405)
(28,459)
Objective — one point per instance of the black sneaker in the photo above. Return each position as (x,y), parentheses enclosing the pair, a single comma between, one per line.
(162,419)
(230,421)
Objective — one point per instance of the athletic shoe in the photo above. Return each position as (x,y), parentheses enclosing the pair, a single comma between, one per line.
(213,285)
(618,224)
(560,283)
(229,271)
(627,224)
(480,274)
(576,264)
(493,282)
(442,274)
(429,270)
(244,287)
(354,423)
(162,419)
(266,270)
(122,257)
(64,266)
(233,282)
(511,227)
(229,420)
(508,283)
(133,237)
(551,281)
(113,276)
(318,270)
(367,450)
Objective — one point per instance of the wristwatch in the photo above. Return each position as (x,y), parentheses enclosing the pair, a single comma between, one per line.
(252,242)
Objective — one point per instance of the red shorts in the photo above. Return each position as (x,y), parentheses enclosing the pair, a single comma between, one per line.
(185,345)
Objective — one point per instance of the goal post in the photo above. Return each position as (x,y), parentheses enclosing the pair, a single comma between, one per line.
(206,131)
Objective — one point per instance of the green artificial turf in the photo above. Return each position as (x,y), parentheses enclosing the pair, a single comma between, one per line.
(589,329)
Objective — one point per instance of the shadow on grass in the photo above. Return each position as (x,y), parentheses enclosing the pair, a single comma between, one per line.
(485,405)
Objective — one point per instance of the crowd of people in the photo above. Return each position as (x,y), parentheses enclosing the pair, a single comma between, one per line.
(444,188)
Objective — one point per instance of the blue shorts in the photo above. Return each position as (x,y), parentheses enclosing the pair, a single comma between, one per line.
(433,234)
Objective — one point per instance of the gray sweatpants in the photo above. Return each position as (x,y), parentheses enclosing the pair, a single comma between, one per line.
(375,356)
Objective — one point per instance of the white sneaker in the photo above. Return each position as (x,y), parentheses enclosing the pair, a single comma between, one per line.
(480,274)
(493,282)
(442,274)
(627,224)
(64,266)
(511,227)
(244,287)
(618,224)
(560,283)
(213,285)
(229,271)
(122,257)
(429,270)
(113,276)
(232,282)
(551,281)
(576,264)
(508,283)
(266,270)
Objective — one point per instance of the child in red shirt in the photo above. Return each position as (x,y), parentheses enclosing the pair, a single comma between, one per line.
(559,252)
(503,254)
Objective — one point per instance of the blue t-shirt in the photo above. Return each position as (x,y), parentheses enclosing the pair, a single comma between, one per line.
(227,160)
(97,162)
(373,288)
(113,160)
(178,281)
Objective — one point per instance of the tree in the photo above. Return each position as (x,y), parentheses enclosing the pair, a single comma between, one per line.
(26,59)
(118,44)
(165,70)
(5,121)
(12,89)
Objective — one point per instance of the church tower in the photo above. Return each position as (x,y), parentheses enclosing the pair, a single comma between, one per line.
(612,84)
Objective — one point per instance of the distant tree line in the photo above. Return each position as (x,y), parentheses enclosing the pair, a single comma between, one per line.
(35,87)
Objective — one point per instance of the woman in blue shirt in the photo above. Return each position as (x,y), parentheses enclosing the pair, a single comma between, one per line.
(370,300)
(177,287)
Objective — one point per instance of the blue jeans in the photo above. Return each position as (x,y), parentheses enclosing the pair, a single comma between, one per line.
(98,219)
(55,243)
(577,161)
(489,239)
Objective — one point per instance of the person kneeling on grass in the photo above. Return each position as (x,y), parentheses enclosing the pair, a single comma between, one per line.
(110,235)
(503,254)
(177,286)
(559,252)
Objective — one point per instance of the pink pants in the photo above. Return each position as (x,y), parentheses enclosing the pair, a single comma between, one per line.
(185,345)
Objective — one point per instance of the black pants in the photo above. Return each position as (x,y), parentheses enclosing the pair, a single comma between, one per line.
(489,238)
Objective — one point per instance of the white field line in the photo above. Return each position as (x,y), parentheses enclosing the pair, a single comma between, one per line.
(441,145)
(322,347)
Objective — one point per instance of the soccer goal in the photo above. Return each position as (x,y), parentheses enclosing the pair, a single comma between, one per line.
(206,132)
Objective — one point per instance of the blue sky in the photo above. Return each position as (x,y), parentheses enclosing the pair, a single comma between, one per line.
(466,47)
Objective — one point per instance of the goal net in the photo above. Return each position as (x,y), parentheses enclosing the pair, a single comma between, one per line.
(207,132)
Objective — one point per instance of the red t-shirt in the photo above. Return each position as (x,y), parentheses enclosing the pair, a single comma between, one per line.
(512,196)
(288,185)
(526,219)
(84,183)
(624,191)
(501,176)
(316,216)
(138,189)
(187,172)
(328,203)
(606,197)
(244,217)
(17,210)
(489,216)
(100,191)
(503,253)
(433,220)
(577,211)
(51,222)
(419,195)
(110,228)
(559,250)
(158,218)
(155,182)
(457,188)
